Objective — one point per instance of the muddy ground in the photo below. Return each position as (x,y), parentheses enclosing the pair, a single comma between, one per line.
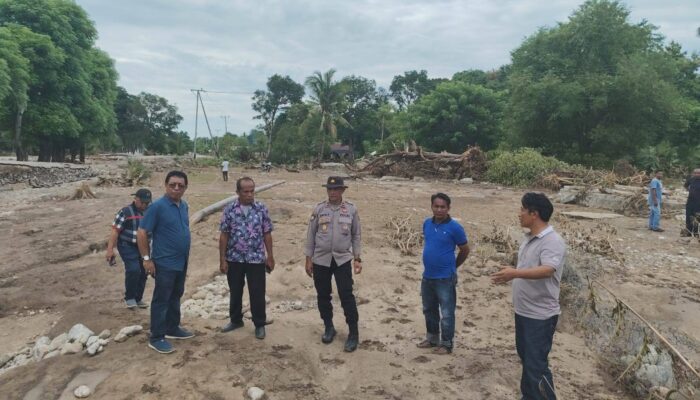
(53,275)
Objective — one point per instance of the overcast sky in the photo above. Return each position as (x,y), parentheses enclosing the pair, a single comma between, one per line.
(168,47)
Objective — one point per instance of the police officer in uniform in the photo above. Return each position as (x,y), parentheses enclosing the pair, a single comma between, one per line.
(123,234)
(332,245)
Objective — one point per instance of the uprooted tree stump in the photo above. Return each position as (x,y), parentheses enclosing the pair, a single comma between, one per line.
(83,192)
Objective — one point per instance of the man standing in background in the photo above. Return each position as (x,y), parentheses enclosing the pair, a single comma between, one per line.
(692,205)
(224,170)
(654,200)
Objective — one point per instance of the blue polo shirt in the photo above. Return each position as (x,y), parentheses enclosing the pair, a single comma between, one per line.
(441,239)
(170,229)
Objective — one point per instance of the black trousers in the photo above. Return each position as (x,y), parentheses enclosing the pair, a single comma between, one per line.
(225,175)
(237,275)
(324,287)
(690,211)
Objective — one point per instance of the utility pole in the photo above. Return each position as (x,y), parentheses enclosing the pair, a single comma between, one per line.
(196,124)
(204,111)
(225,118)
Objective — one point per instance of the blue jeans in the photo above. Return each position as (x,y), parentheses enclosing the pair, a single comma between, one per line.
(134,274)
(654,216)
(439,301)
(533,340)
(165,305)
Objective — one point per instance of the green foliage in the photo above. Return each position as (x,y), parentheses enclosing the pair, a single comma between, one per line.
(136,172)
(329,102)
(456,115)
(269,104)
(596,88)
(523,167)
(409,87)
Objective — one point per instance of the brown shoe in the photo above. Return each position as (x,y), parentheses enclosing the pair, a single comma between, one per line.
(442,350)
(426,344)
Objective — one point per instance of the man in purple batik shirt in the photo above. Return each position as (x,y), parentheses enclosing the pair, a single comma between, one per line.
(246,237)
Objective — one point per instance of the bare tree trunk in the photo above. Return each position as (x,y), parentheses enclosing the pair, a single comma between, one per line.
(321,147)
(82,153)
(19,151)
(269,146)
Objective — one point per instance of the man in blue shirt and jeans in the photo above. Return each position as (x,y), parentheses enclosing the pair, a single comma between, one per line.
(438,287)
(167,220)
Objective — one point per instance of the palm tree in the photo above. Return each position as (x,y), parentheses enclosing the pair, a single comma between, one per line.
(328,98)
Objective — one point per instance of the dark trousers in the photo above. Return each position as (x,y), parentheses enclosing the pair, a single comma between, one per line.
(324,287)
(439,302)
(134,273)
(690,224)
(165,305)
(237,275)
(225,174)
(533,340)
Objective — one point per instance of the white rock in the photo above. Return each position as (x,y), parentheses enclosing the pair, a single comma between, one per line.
(130,330)
(297,305)
(248,315)
(120,337)
(93,349)
(41,347)
(467,181)
(52,354)
(105,334)
(72,348)
(91,340)
(267,300)
(103,342)
(58,342)
(79,333)
(255,393)
(82,392)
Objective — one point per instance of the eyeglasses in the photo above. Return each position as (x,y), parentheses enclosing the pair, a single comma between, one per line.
(177,185)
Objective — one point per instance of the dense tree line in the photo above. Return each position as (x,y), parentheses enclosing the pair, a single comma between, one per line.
(59,93)
(592,90)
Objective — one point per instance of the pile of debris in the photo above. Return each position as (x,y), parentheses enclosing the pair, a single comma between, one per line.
(405,235)
(417,162)
(627,200)
(40,174)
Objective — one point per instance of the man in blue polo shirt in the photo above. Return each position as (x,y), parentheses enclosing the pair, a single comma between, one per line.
(442,235)
(167,220)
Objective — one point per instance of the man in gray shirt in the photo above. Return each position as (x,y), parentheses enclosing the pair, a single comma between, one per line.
(332,244)
(536,282)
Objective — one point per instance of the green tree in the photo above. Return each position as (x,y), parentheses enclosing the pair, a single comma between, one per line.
(595,88)
(280,94)
(363,101)
(455,115)
(409,87)
(161,119)
(131,116)
(328,98)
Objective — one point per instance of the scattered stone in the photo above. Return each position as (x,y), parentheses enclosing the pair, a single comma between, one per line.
(91,340)
(94,348)
(467,181)
(248,315)
(41,347)
(58,342)
(126,332)
(255,393)
(79,333)
(72,348)
(105,334)
(82,392)
(298,305)
(52,354)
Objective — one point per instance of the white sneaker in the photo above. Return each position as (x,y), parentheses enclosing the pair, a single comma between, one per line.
(131,303)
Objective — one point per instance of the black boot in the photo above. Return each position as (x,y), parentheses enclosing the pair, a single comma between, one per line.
(328,334)
(353,339)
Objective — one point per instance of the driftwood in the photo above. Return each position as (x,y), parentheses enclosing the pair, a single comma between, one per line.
(219,205)
(416,162)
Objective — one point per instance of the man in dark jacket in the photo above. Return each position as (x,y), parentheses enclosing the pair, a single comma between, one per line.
(692,206)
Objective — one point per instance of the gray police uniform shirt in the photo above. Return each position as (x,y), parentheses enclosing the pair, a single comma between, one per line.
(539,298)
(334,233)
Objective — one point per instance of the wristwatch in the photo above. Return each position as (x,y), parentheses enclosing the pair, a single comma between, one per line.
(146,258)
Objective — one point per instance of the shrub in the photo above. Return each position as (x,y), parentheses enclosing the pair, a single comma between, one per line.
(523,167)
(136,172)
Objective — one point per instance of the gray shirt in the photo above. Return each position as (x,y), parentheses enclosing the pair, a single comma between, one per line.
(333,233)
(539,298)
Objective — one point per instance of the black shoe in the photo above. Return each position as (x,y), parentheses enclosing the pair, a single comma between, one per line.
(232,326)
(328,335)
(351,343)
(260,332)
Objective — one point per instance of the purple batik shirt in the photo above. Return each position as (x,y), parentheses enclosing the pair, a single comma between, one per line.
(246,242)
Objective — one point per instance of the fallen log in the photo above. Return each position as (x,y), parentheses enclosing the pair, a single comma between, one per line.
(219,205)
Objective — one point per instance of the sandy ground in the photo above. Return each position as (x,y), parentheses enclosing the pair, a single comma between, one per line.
(53,275)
